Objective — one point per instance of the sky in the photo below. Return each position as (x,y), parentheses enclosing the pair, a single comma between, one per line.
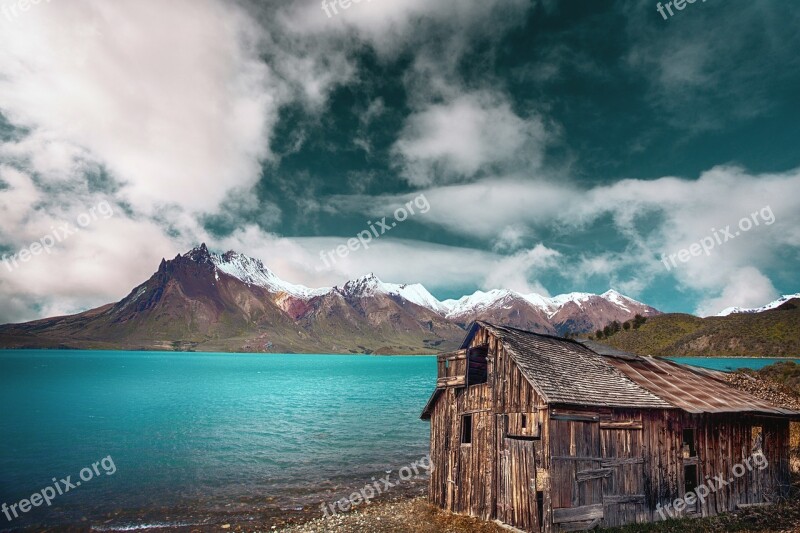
(544,146)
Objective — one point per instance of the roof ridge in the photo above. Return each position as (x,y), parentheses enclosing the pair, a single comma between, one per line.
(547,335)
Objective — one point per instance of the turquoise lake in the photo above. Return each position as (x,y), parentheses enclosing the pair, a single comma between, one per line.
(198,438)
(729,364)
(209,438)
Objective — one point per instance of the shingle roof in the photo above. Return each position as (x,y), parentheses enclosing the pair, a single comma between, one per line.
(693,389)
(567,372)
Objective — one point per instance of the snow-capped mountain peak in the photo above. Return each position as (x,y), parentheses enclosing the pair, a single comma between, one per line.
(772,305)
(363,286)
(253,272)
(477,301)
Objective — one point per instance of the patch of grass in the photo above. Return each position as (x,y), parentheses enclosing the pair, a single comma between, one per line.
(781,517)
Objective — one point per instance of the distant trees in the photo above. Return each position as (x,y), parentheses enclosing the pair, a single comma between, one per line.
(615,327)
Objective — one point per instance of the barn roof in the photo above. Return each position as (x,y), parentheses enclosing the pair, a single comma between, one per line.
(567,372)
(693,389)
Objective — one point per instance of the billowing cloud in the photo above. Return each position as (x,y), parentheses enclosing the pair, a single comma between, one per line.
(177,112)
(471,134)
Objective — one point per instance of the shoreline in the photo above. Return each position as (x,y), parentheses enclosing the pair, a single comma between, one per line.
(221,517)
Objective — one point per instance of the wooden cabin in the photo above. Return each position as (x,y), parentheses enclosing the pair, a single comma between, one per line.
(546,434)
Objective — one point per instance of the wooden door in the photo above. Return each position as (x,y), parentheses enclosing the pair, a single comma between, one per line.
(623,488)
(516,494)
(576,482)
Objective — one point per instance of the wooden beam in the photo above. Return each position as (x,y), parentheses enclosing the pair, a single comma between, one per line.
(577,514)
(597,473)
(625,424)
(576,417)
(626,498)
(622,461)
(581,526)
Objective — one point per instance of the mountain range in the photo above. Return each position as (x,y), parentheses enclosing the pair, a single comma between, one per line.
(206,301)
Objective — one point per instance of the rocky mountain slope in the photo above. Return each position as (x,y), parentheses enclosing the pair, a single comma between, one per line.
(230,302)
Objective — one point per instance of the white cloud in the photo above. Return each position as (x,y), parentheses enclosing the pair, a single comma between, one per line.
(390,27)
(515,272)
(472,133)
(179,111)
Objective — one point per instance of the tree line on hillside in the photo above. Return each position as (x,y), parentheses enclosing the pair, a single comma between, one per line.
(615,327)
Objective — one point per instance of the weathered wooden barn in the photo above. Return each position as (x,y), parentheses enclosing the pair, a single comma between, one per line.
(545,434)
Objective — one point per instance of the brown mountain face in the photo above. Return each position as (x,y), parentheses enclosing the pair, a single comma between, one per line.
(595,314)
(207,302)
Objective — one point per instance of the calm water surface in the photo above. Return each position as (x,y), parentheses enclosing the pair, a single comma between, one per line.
(729,364)
(193,436)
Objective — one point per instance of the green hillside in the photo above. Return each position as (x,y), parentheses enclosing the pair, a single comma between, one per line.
(774,333)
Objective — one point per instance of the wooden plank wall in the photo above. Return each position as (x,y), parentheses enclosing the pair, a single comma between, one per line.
(722,441)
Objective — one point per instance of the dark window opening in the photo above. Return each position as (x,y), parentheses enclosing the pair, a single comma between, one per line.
(539,507)
(477,365)
(524,421)
(757,436)
(466,429)
(447,363)
(689,449)
(690,483)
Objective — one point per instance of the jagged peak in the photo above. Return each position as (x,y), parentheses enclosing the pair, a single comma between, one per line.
(199,254)
(362,285)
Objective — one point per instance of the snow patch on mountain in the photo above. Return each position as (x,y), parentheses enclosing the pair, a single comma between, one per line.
(478,301)
(253,272)
(772,305)
(414,293)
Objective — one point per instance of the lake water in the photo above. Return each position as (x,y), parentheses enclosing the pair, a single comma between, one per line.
(729,364)
(209,438)
(203,438)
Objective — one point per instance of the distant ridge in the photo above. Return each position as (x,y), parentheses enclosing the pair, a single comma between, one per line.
(208,301)
(772,305)
(771,332)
